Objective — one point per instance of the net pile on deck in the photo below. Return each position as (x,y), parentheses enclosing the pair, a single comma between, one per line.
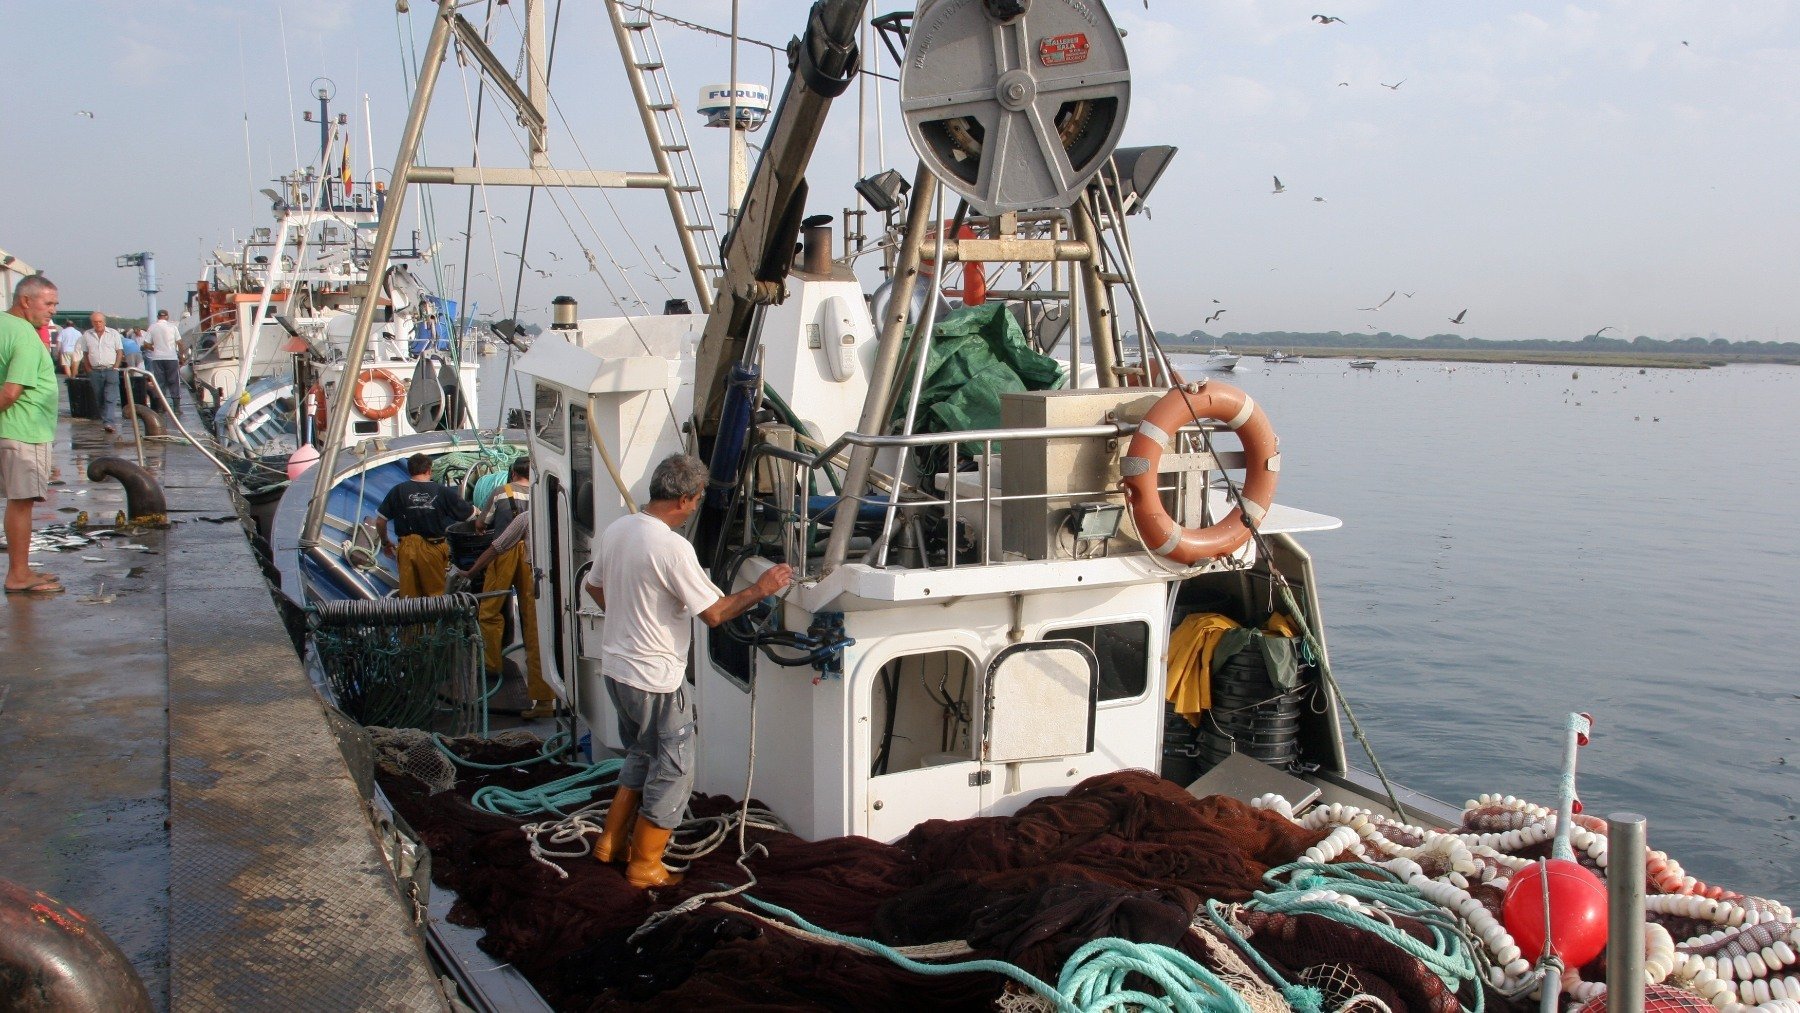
(1126,858)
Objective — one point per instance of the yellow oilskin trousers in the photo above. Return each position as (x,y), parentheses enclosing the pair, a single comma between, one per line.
(512,570)
(424,566)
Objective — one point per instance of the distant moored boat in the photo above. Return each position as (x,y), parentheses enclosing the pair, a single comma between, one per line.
(1362,363)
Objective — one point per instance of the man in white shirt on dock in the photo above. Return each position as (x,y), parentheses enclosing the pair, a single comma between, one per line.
(103,352)
(162,351)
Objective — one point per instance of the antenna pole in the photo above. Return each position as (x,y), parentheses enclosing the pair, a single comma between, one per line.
(378,262)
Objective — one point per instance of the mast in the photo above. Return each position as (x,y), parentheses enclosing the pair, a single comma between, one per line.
(378,262)
(529,102)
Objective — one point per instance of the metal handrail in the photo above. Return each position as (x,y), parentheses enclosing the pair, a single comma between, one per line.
(176,419)
(949,501)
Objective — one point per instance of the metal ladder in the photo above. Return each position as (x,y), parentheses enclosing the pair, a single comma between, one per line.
(669,144)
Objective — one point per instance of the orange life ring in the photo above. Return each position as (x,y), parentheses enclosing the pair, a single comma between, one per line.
(1156,433)
(396,394)
(974,277)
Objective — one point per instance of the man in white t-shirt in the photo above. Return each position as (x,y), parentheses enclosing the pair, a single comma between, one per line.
(649,582)
(162,352)
(68,350)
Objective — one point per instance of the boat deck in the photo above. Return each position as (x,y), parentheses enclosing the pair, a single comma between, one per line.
(169,770)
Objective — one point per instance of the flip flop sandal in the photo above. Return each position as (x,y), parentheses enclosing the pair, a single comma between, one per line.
(50,586)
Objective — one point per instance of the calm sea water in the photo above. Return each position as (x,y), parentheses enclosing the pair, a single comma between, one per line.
(1520,542)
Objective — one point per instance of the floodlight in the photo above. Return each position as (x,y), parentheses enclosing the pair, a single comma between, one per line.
(883,190)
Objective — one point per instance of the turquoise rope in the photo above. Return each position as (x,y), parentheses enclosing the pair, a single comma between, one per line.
(1001,967)
(1092,981)
(1450,956)
(559,797)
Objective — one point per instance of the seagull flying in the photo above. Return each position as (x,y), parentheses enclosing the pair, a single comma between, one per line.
(1392,87)
(1215,316)
(1343,84)
(1409,295)
(90,115)
(1278,187)
(1326,19)
(1603,330)
(490,214)
(1457,319)
(1384,302)
(541,272)
(1319,200)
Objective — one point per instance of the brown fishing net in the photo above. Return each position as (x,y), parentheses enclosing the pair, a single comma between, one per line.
(1124,854)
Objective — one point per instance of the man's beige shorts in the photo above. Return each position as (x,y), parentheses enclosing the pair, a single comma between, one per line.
(24,470)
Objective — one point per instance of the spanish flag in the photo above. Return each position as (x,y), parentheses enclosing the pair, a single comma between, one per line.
(344,170)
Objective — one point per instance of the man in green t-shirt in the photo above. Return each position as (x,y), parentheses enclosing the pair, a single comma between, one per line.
(28,396)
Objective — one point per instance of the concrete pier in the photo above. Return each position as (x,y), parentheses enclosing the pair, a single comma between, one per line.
(166,768)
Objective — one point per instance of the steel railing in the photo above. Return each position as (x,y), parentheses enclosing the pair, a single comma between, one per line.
(790,498)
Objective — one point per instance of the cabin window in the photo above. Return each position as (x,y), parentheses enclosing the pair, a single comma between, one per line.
(547,417)
(922,712)
(1124,653)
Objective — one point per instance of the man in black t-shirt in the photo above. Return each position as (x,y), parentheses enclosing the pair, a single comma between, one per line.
(420,510)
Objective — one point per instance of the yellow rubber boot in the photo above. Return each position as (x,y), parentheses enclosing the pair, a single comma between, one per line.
(645,870)
(614,844)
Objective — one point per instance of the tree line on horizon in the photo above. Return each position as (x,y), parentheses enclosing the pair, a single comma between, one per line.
(1386,339)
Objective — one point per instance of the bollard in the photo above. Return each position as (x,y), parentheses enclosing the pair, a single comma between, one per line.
(144,501)
(52,958)
(1625,878)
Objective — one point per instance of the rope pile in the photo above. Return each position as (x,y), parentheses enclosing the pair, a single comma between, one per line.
(1726,948)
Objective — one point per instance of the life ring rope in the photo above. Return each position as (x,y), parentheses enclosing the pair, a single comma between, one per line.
(1139,469)
(396,391)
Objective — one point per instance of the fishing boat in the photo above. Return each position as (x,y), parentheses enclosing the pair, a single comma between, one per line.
(1362,363)
(1016,596)
(1279,356)
(274,322)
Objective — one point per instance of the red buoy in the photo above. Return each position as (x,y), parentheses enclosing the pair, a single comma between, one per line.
(1577,924)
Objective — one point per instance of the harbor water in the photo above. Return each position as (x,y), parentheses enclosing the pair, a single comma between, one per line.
(1522,541)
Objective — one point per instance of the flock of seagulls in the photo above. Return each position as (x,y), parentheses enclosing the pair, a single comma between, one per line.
(1281,188)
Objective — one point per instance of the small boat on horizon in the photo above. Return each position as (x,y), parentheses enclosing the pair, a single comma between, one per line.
(1281,356)
(1362,363)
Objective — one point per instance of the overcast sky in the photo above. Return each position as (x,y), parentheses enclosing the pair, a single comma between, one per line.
(1551,167)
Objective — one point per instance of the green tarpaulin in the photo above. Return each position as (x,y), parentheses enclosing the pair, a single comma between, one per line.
(977,354)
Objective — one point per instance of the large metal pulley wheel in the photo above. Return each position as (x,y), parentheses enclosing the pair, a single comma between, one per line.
(1019,111)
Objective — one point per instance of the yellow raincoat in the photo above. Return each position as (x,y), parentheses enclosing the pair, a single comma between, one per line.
(1191,649)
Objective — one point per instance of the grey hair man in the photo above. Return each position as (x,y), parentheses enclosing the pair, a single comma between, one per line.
(649,582)
(103,350)
(28,400)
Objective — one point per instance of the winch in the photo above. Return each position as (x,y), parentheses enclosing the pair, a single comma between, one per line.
(1015,104)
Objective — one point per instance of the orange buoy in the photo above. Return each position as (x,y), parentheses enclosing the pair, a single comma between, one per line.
(396,394)
(1156,433)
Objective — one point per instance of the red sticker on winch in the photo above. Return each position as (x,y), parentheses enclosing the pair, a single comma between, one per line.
(1060,50)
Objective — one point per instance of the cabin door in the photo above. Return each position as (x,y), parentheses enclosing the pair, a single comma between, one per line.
(916,720)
